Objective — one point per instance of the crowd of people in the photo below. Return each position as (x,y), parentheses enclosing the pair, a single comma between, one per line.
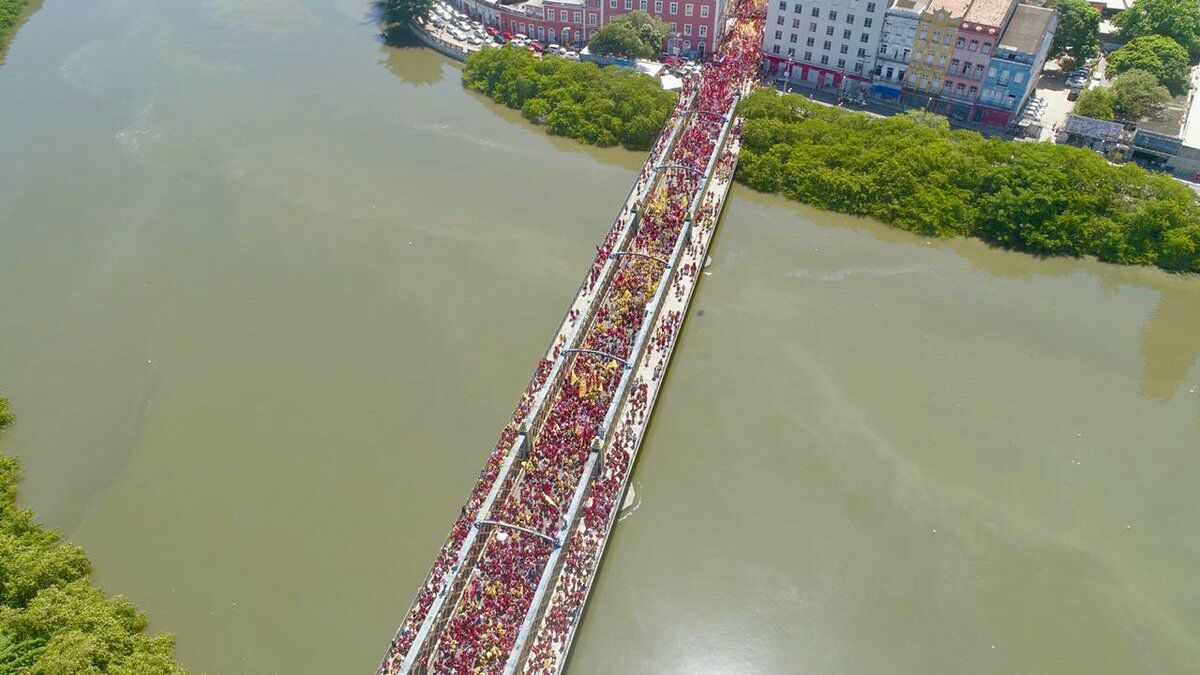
(498,588)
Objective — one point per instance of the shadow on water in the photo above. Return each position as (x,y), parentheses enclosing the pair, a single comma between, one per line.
(1169,343)
(406,58)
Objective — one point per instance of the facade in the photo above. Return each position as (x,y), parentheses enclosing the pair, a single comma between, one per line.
(1014,67)
(932,45)
(974,42)
(895,46)
(823,43)
(695,24)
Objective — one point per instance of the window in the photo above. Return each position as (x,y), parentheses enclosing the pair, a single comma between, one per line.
(797,9)
(795,23)
(833,16)
(867,23)
(946,40)
(612,4)
(791,50)
(808,56)
(889,73)
(658,10)
(687,30)
(778,34)
(987,47)
(870,7)
(593,19)
(628,4)
(541,32)
(864,38)
(791,38)
(829,30)
(778,19)
(862,53)
(846,34)
(704,10)
(842,49)
(812,27)
(858,67)
(549,15)
(550,34)
(1003,81)
(816,12)
(937,35)
(704,33)
(687,45)
(978,72)
(688,8)
(991,73)
(959,89)
(972,91)
(809,42)
(578,17)
(959,43)
(841,64)
(675,28)
(973,46)
(783,6)
(674,8)
(824,59)
(1018,78)
(925,33)
(826,45)
(775,48)
(850,19)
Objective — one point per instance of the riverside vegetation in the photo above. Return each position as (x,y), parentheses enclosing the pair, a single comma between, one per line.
(579,100)
(11,13)
(53,620)
(910,171)
(913,172)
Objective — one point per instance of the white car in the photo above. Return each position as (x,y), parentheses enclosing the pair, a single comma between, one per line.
(573,56)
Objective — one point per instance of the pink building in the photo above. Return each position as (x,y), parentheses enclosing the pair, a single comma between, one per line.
(977,38)
(695,24)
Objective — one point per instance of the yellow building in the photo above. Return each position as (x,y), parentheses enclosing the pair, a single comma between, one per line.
(932,45)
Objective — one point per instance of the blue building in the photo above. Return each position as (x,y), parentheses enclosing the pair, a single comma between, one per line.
(1016,63)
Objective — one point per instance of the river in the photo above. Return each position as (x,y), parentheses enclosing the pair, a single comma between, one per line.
(268,289)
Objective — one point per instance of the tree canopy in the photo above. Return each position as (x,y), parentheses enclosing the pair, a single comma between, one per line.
(1175,19)
(1137,94)
(579,100)
(635,35)
(403,11)
(1098,103)
(11,12)
(1160,56)
(1078,33)
(1037,197)
(52,619)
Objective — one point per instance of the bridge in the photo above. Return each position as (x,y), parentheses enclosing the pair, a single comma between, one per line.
(507,590)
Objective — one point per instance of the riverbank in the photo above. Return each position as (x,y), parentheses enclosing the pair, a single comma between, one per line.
(52,619)
(911,171)
(12,14)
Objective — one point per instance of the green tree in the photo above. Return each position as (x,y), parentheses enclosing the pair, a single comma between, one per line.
(1137,94)
(1161,56)
(52,619)
(927,119)
(1078,33)
(403,11)
(1097,103)
(1175,19)
(632,35)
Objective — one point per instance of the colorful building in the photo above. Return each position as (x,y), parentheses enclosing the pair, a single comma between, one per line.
(895,46)
(823,43)
(695,24)
(974,42)
(932,45)
(1015,64)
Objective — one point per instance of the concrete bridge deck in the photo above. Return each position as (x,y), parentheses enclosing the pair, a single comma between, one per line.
(565,557)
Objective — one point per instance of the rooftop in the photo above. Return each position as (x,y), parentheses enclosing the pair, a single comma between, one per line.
(988,12)
(951,7)
(917,6)
(1025,29)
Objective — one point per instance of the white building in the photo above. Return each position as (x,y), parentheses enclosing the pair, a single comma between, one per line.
(895,45)
(823,43)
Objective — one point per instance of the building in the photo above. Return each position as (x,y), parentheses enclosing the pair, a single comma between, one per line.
(895,46)
(974,42)
(932,45)
(1016,63)
(823,43)
(695,24)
